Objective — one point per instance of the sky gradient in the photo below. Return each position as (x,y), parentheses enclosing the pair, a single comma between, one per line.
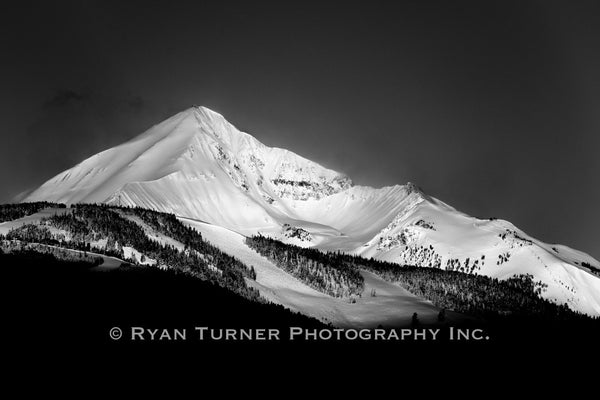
(492,108)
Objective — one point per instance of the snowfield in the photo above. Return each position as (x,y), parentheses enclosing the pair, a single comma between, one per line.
(199,166)
(391,307)
(5,227)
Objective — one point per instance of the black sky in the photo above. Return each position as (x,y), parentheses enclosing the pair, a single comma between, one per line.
(489,106)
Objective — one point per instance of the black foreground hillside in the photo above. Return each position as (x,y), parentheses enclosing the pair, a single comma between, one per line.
(58,302)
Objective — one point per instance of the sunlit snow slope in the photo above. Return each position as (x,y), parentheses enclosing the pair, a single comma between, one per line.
(198,165)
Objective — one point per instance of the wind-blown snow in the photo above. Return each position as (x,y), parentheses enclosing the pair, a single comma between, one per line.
(197,165)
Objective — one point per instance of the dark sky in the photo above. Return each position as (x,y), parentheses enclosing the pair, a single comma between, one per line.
(493,107)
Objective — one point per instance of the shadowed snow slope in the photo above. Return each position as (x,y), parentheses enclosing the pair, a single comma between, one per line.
(197,165)
(392,307)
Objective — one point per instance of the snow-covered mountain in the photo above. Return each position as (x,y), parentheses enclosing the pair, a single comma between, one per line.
(199,166)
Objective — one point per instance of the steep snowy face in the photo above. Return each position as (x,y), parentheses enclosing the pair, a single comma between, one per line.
(197,165)
(432,234)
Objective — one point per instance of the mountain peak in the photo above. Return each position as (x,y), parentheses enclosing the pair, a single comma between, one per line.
(205,111)
(413,188)
(201,108)
(197,165)
(194,143)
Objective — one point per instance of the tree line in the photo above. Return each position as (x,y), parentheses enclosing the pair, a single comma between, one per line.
(10,212)
(93,223)
(22,248)
(338,274)
(468,293)
(312,267)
